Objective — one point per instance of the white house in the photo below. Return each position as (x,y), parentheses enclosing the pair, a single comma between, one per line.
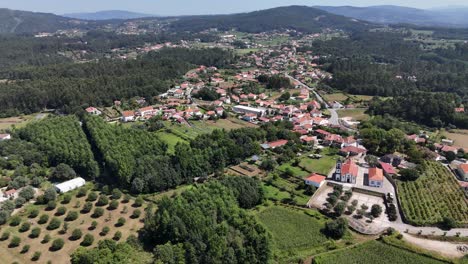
(93,111)
(5,137)
(128,116)
(315,180)
(70,185)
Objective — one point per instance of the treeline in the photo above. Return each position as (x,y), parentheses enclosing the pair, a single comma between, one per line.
(384,63)
(69,87)
(139,160)
(275,82)
(205,225)
(300,18)
(431,109)
(63,141)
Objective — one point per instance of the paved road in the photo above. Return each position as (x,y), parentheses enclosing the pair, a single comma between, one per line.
(334,115)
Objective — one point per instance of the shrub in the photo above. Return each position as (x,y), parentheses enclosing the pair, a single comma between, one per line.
(15,220)
(5,236)
(354,203)
(87,240)
(93,225)
(117,236)
(81,192)
(106,190)
(126,198)
(64,228)
(76,234)
(25,249)
(87,207)
(116,194)
(72,216)
(33,213)
(340,208)
(66,198)
(50,194)
(35,232)
(20,201)
(15,241)
(36,256)
(105,231)
(376,210)
(46,239)
(336,228)
(54,224)
(61,211)
(136,213)
(103,200)
(92,196)
(51,205)
(57,244)
(120,222)
(27,193)
(98,212)
(24,227)
(448,223)
(43,219)
(138,202)
(113,205)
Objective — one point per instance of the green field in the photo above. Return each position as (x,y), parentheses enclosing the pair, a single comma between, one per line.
(293,230)
(357,114)
(170,139)
(295,170)
(434,195)
(323,165)
(373,252)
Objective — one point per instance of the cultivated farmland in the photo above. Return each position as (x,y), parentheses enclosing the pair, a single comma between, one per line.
(374,252)
(434,195)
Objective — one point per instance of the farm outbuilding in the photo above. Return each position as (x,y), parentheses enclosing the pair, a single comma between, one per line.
(70,185)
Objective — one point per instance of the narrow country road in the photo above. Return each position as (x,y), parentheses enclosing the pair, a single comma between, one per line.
(334,115)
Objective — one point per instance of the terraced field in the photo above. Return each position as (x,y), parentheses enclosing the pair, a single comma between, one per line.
(434,195)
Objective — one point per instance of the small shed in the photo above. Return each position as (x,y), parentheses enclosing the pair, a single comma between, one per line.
(70,185)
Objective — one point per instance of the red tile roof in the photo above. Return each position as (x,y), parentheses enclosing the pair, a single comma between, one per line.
(375,174)
(464,167)
(353,149)
(10,192)
(278,143)
(316,178)
(349,167)
(128,113)
(387,168)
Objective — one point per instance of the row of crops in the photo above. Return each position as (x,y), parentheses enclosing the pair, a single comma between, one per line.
(374,252)
(434,195)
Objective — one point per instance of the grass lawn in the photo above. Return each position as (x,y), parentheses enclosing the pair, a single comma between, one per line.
(335,97)
(293,229)
(273,193)
(296,170)
(18,121)
(109,218)
(170,139)
(323,165)
(246,51)
(357,114)
(373,252)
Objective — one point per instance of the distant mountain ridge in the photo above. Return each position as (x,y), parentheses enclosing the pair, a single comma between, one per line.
(301,18)
(13,21)
(108,15)
(387,14)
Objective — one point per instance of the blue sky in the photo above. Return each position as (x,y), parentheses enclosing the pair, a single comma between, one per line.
(186,7)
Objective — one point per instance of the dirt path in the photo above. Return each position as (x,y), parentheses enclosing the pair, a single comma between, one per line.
(446,249)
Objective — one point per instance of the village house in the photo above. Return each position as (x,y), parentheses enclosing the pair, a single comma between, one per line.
(387,169)
(375,177)
(350,151)
(346,172)
(240,109)
(274,144)
(5,137)
(149,110)
(128,116)
(463,171)
(93,111)
(10,193)
(315,179)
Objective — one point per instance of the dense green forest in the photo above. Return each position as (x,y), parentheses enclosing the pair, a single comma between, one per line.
(383,63)
(69,86)
(431,109)
(63,141)
(300,18)
(205,225)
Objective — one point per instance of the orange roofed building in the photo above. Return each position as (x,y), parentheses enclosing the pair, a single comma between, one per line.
(376,177)
(346,172)
(315,179)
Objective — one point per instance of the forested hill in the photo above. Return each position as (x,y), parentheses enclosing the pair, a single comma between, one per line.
(301,18)
(13,21)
